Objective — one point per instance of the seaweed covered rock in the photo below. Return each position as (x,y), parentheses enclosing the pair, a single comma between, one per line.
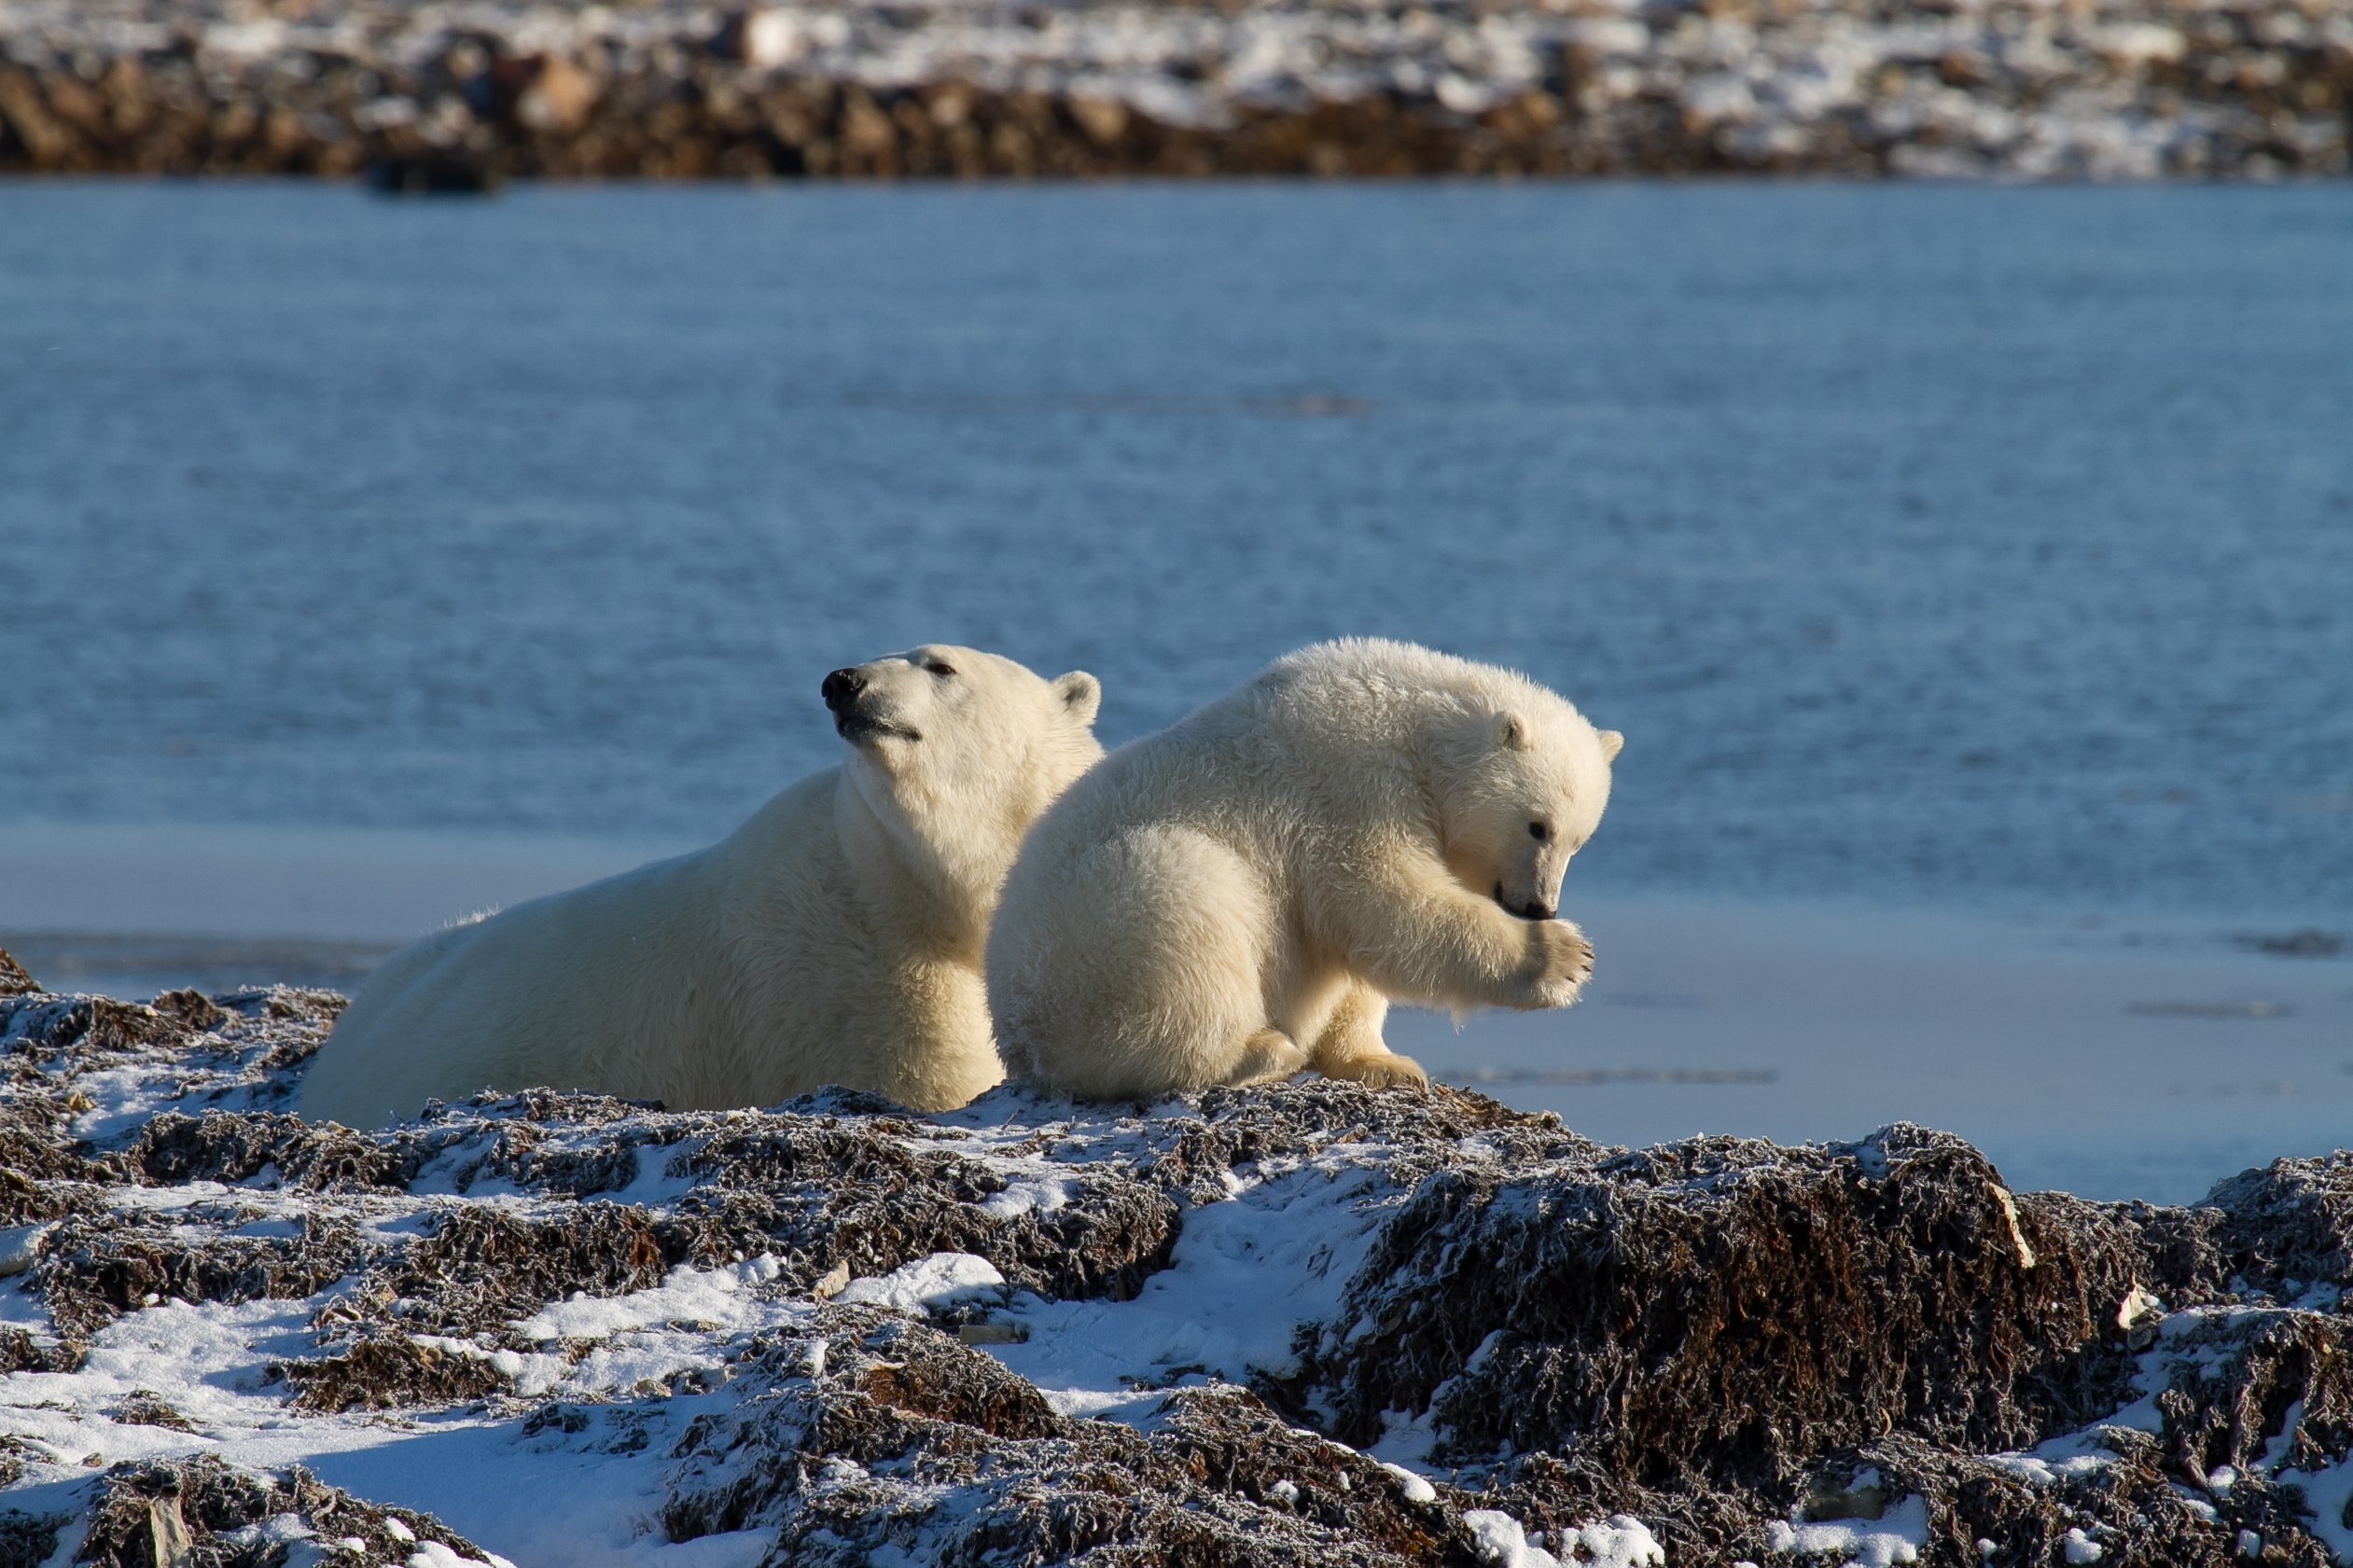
(1303,1323)
(174,1149)
(94,1267)
(859,1411)
(395,1373)
(203,1511)
(2287,1228)
(1725,1308)
(832,1194)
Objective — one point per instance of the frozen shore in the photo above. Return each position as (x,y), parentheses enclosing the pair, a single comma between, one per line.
(1309,1324)
(463,95)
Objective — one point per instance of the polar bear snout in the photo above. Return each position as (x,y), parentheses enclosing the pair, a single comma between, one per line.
(847,693)
(842,689)
(1530,909)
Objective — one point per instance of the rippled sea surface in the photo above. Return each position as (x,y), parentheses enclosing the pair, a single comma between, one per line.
(1976,546)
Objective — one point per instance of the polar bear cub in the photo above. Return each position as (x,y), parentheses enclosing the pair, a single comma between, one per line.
(834,939)
(1240,895)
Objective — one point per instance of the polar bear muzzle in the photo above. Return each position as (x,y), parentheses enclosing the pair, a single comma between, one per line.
(1532,910)
(845,691)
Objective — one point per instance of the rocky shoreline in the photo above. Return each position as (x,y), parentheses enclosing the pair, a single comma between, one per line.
(1312,1324)
(463,95)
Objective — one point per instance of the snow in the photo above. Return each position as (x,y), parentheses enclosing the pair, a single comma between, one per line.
(433,1554)
(206,1361)
(1499,1540)
(1250,1268)
(476,1472)
(690,1297)
(16,1246)
(1619,1541)
(1041,1191)
(1898,1536)
(1416,1489)
(649,1337)
(2329,1493)
(539,1499)
(942,1280)
(1245,1273)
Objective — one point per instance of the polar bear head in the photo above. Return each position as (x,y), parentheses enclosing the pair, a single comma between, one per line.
(1520,785)
(955,752)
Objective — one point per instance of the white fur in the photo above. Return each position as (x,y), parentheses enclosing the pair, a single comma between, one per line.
(1240,895)
(834,939)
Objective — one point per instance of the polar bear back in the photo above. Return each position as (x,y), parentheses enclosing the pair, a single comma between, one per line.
(835,937)
(598,987)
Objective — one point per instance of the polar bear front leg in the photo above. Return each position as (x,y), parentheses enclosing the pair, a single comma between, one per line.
(1410,928)
(1351,1046)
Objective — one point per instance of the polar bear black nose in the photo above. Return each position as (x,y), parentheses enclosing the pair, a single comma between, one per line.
(1534,909)
(842,689)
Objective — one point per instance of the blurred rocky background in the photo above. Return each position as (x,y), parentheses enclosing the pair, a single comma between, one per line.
(463,95)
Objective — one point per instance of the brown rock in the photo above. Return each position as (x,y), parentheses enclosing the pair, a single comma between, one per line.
(558,98)
(867,131)
(25,119)
(1105,120)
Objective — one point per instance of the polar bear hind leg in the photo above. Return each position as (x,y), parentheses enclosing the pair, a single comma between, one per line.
(1351,1046)
(1160,946)
(1268,1056)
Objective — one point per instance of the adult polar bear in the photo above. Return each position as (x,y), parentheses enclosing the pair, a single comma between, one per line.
(1240,895)
(834,939)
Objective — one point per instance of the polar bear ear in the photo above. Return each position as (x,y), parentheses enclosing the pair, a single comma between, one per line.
(1511,731)
(1081,694)
(1611,742)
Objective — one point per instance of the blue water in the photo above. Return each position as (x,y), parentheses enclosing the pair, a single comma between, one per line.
(1949,546)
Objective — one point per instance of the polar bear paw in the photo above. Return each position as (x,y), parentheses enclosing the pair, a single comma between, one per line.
(1565,962)
(1267,1056)
(1386,1070)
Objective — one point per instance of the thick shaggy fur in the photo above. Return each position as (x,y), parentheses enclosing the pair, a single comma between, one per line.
(1239,896)
(834,939)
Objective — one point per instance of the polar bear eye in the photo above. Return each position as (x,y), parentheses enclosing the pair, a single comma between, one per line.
(941,667)
(1539,832)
